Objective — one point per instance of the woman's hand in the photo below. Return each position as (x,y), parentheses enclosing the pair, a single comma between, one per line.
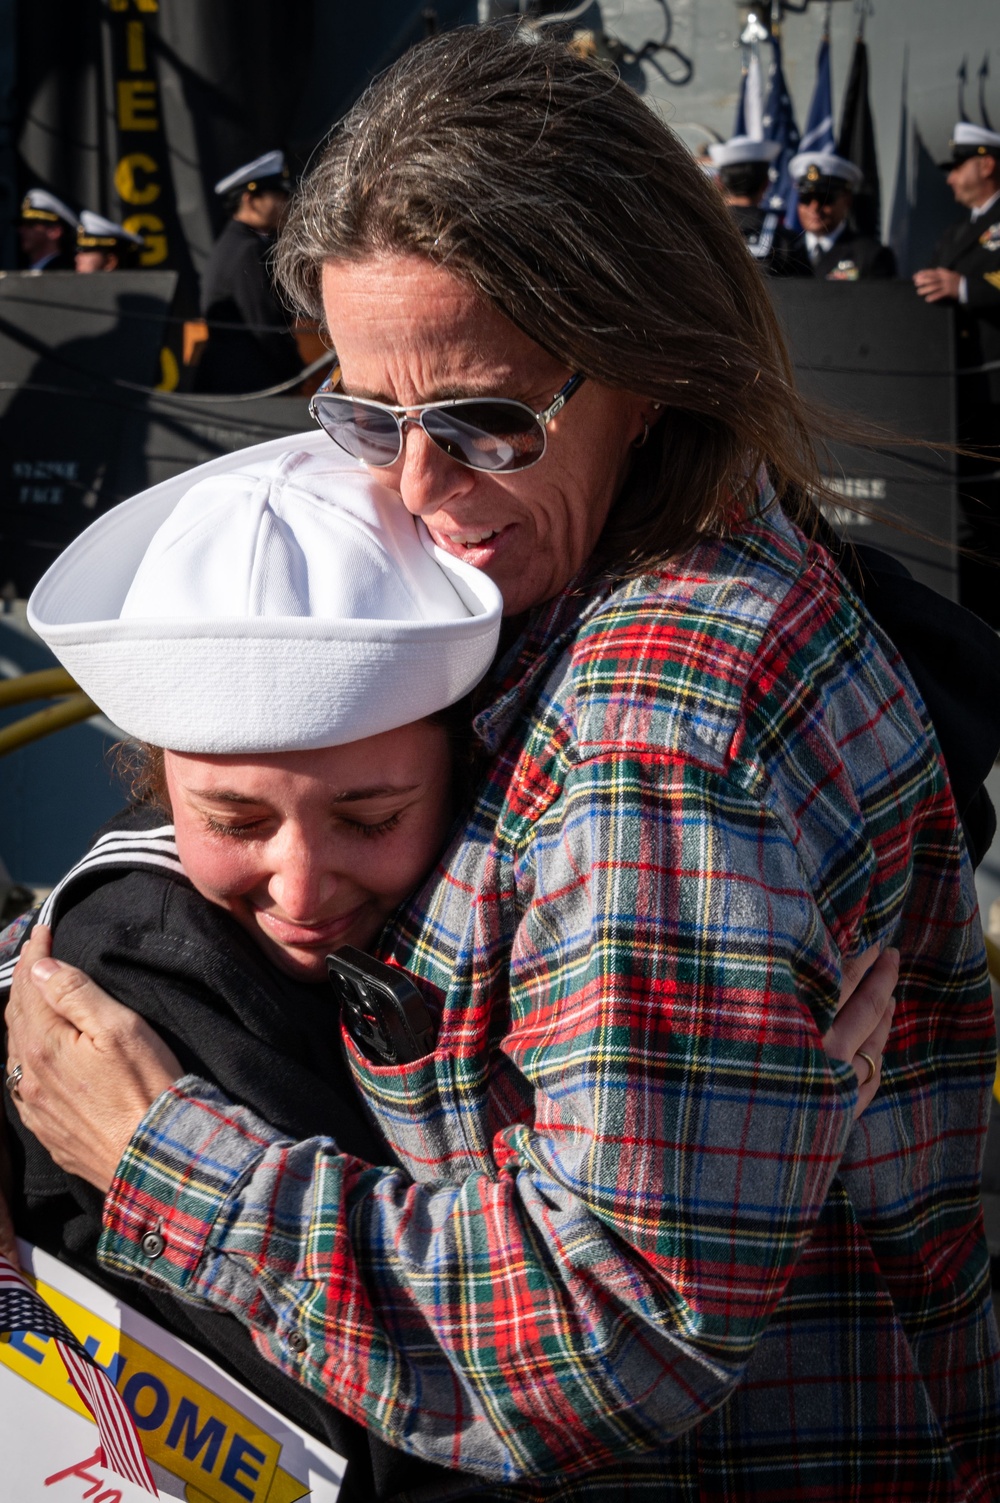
(90,1068)
(864,1016)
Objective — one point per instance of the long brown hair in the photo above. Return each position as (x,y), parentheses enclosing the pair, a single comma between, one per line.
(544,182)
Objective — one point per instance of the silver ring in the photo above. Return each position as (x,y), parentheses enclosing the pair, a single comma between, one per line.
(860,1055)
(14,1079)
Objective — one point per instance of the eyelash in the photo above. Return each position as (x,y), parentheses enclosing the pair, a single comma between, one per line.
(249,831)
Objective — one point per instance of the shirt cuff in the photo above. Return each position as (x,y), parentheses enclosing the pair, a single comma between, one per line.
(963,290)
(188,1155)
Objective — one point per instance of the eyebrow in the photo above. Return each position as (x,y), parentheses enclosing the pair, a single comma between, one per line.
(348,796)
(436,393)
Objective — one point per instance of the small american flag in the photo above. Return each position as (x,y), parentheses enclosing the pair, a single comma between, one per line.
(21,1309)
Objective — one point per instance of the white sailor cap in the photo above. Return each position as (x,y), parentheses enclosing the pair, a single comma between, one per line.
(41,206)
(824,169)
(743,149)
(968,140)
(267,171)
(94,232)
(276,599)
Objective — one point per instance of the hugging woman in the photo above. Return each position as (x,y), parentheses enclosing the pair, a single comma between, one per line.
(638,1237)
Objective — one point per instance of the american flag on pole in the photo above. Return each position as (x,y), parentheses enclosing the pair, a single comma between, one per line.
(21,1309)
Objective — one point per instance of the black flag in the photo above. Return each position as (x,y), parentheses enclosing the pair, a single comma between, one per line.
(963,77)
(856,142)
(984,73)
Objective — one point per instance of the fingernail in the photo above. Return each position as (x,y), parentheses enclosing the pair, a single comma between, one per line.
(44,970)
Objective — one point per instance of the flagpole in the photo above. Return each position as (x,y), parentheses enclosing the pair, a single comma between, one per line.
(863,9)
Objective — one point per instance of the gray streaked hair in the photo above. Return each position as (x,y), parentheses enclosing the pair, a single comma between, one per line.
(543,181)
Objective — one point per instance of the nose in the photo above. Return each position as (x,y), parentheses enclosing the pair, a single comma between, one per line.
(302,881)
(426,478)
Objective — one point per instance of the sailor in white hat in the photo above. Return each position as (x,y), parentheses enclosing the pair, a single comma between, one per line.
(294,628)
(44,226)
(967,256)
(249,345)
(272,600)
(965,271)
(825,184)
(104,245)
(743,167)
(266,173)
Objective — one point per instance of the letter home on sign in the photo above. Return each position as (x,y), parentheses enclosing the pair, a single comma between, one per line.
(207,1439)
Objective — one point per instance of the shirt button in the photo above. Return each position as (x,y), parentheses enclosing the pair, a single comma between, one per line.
(153,1244)
(297,1342)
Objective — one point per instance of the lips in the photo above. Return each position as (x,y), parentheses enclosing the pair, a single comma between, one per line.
(474,547)
(306,936)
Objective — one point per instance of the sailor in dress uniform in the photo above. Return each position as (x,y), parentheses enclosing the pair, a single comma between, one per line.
(742,165)
(826,184)
(966,273)
(103,245)
(45,226)
(250,346)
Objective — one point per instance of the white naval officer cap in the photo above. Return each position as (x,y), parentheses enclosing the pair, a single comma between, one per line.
(267,171)
(968,140)
(39,205)
(276,599)
(94,232)
(739,150)
(825,167)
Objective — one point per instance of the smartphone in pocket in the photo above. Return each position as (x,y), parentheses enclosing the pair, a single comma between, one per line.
(382,1010)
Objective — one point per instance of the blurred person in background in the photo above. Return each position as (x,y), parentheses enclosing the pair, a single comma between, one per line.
(44,228)
(104,245)
(966,273)
(825,184)
(743,167)
(250,345)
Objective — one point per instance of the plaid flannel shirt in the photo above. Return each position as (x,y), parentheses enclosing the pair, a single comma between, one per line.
(638,1246)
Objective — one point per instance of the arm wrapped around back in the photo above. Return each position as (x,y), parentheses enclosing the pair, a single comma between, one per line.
(637,1231)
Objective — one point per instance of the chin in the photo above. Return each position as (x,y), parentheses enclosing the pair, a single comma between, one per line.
(301,965)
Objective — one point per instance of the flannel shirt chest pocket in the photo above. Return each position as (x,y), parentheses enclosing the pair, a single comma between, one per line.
(420,1108)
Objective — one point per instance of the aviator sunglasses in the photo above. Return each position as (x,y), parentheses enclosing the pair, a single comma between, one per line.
(484,433)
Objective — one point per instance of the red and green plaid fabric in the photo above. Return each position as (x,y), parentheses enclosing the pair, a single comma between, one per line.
(638,1246)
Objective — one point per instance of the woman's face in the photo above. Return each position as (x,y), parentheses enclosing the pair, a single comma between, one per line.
(407,331)
(310,850)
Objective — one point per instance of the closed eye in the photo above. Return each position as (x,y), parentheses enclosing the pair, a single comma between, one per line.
(371,832)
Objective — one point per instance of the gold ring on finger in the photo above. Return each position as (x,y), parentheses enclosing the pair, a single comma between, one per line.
(870,1063)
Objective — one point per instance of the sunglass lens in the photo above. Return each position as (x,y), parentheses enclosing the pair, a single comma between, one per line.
(360,428)
(489,435)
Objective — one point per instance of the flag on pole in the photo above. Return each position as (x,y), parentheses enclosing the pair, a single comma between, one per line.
(902,198)
(984,73)
(21,1309)
(780,126)
(857,142)
(750,106)
(750,109)
(818,134)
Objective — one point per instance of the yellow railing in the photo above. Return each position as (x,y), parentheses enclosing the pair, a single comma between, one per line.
(51,683)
